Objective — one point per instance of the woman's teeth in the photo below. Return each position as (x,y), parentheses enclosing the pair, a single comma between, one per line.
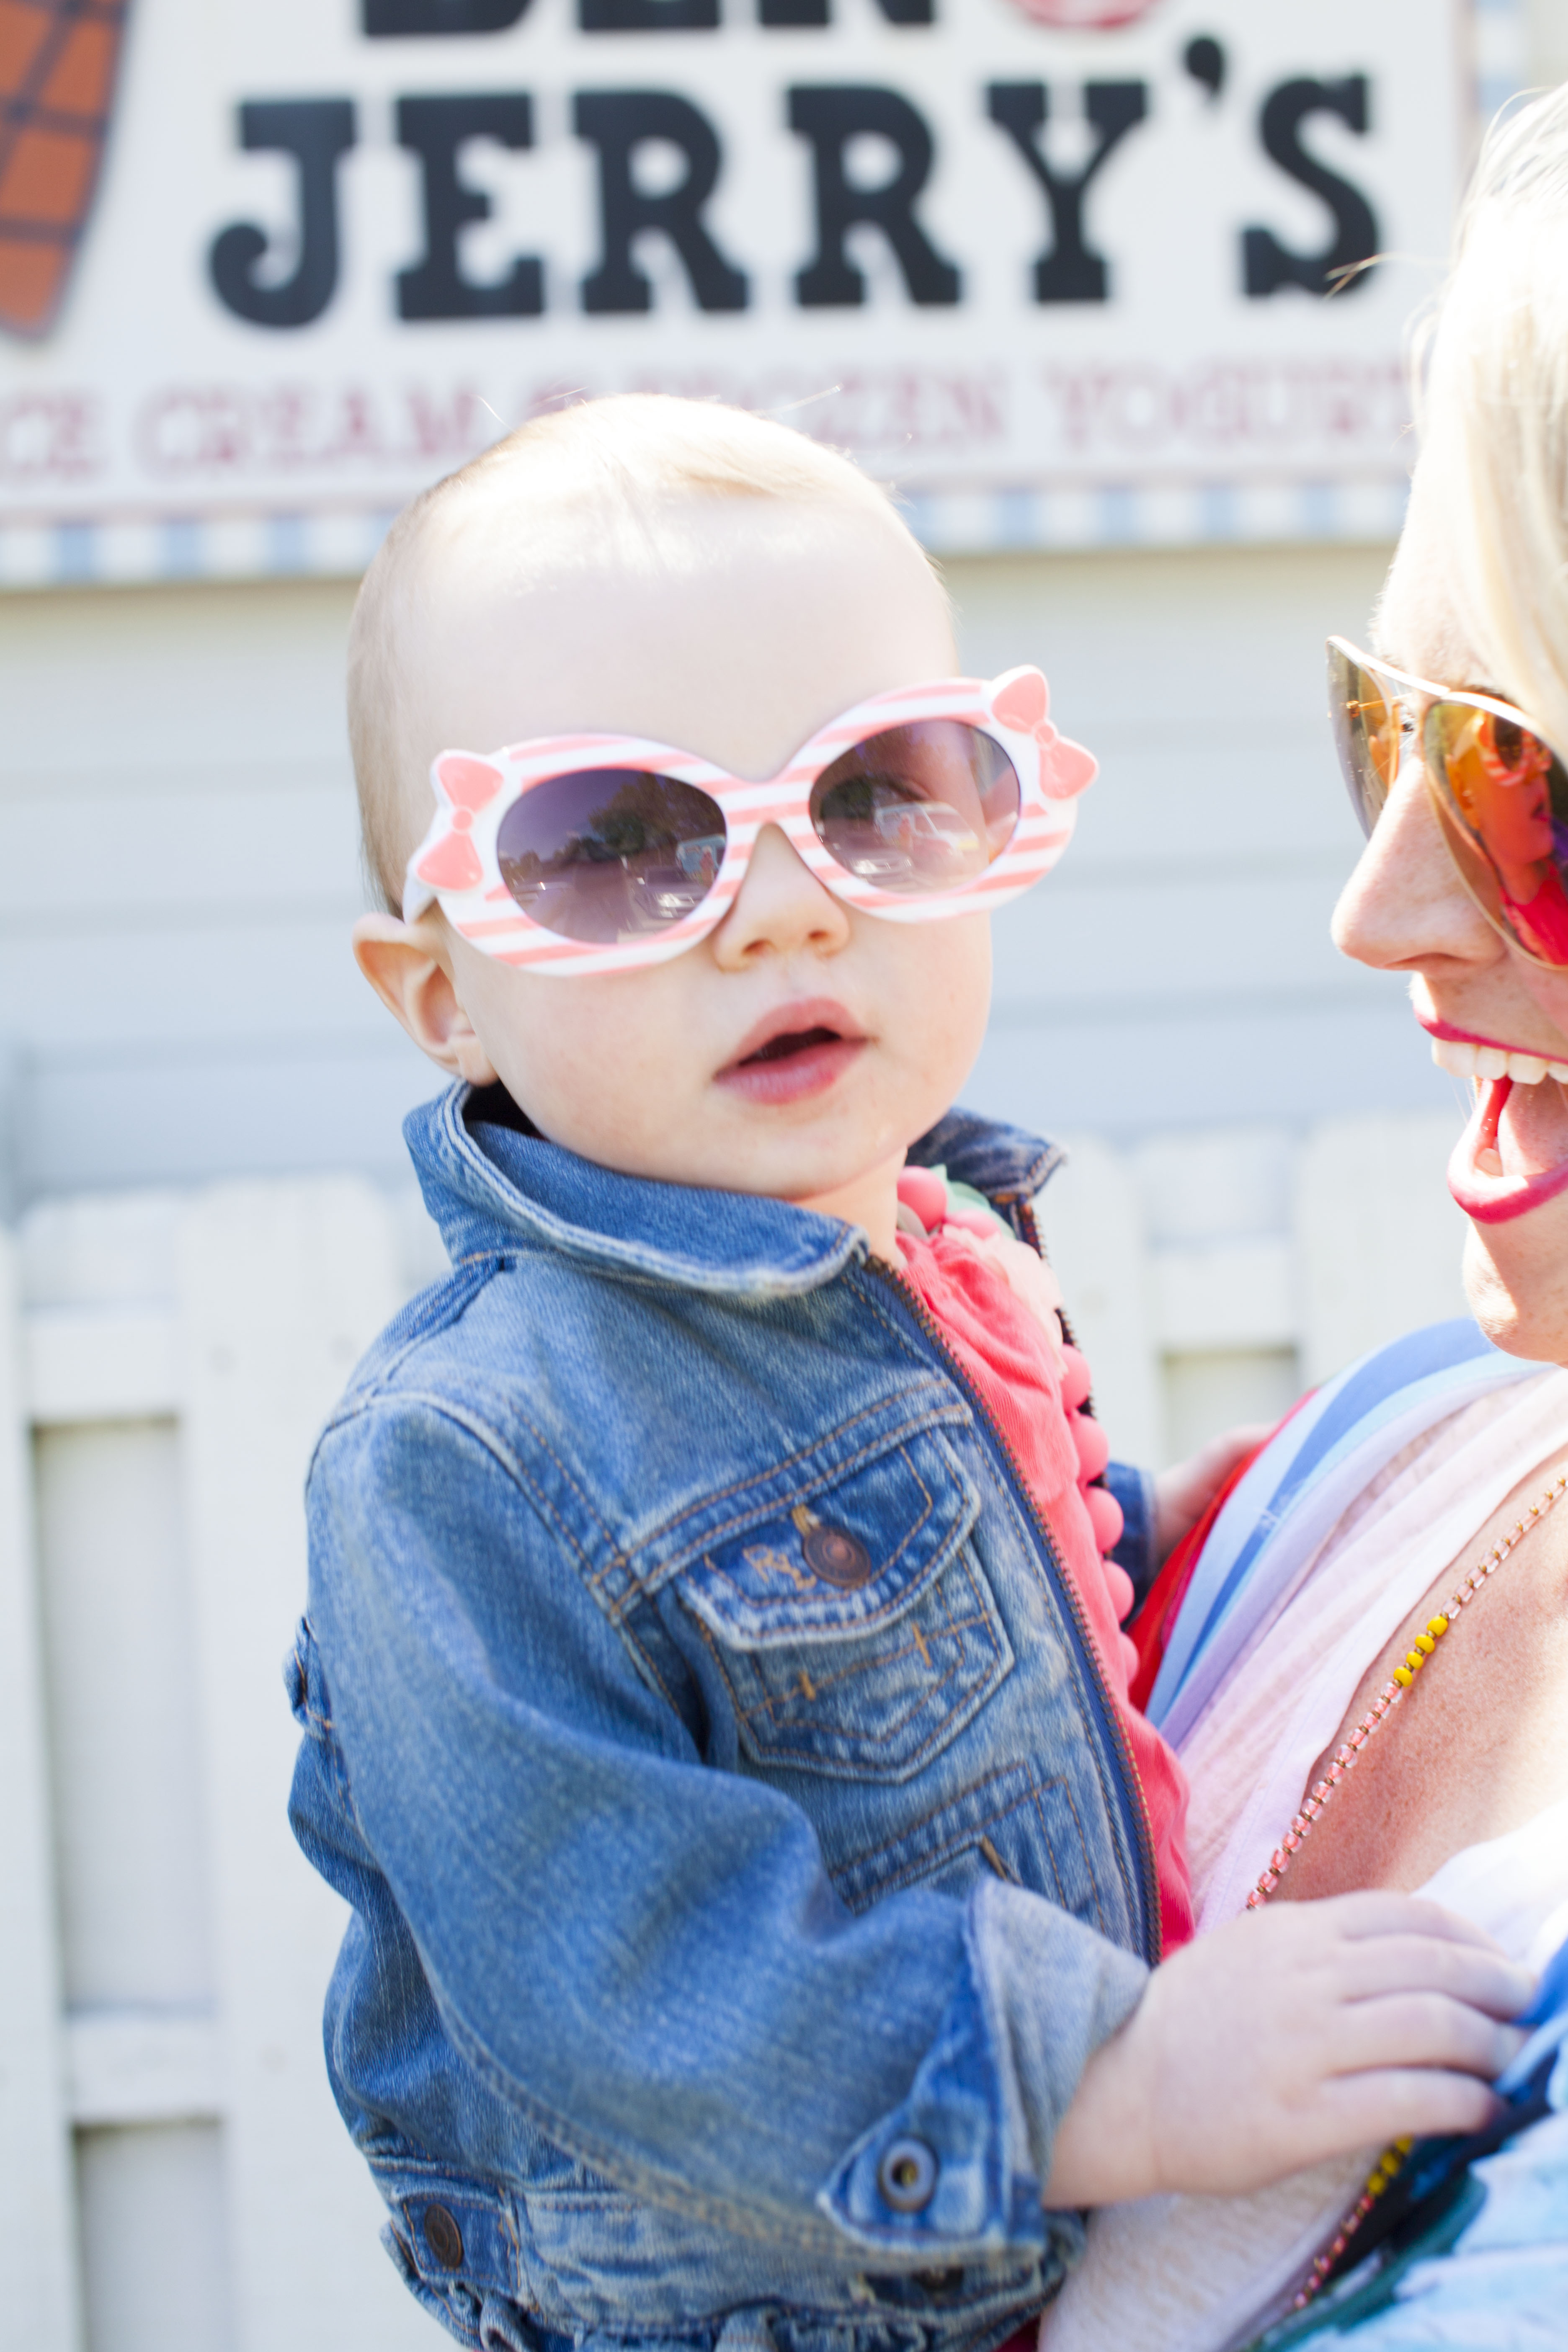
(1492,1062)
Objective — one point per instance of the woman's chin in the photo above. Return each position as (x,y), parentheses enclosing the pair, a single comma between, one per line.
(1516,1280)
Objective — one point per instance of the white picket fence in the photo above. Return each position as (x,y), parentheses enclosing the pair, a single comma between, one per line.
(173,2176)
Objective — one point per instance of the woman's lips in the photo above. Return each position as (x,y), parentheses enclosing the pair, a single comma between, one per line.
(1468,1054)
(798,1050)
(1513,1155)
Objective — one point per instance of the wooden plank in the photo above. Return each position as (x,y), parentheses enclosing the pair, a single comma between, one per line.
(1225,1295)
(282,1286)
(1378,1235)
(100,1364)
(1092,1224)
(37,2253)
(136,2066)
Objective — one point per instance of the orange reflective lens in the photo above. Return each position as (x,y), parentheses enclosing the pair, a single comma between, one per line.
(1503,798)
(1499,791)
(1368,722)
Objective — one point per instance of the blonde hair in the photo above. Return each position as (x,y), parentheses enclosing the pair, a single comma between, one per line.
(1492,404)
(616,462)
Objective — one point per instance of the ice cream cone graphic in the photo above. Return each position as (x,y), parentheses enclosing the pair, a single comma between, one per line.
(58,61)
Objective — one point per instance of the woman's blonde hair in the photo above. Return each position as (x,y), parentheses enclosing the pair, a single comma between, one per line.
(1492,404)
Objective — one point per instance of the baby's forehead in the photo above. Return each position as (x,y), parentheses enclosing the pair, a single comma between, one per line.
(731,627)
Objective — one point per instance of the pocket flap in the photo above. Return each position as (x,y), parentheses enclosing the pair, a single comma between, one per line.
(853,1555)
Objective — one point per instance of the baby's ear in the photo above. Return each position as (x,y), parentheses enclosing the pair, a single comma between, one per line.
(408,967)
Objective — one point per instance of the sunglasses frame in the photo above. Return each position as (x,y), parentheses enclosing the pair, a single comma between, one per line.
(1440,793)
(456,865)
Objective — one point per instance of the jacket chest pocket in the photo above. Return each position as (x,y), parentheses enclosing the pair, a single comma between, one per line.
(855,1632)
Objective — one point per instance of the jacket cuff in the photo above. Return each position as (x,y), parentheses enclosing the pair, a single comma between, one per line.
(1137,1551)
(956,2171)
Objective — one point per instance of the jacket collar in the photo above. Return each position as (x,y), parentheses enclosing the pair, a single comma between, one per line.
(491,1180)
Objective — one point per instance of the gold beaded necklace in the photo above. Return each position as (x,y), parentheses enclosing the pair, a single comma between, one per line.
(1344,1759)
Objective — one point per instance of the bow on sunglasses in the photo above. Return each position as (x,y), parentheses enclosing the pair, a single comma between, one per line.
(602,853)
(1498,788)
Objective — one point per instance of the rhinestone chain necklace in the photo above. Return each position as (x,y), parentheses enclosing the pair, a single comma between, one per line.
(1346,1756)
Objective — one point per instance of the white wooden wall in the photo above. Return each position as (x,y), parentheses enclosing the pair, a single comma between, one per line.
(172,2175)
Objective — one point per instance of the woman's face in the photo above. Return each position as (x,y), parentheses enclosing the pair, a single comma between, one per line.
(1406,910)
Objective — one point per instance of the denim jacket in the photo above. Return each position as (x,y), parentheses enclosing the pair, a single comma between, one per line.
(743,1854)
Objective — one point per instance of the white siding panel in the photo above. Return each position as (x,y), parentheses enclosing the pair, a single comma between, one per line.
(152,2225)
(135,986)
(125,2066)
(281,1288)
(1194,1062)
(1051,948)
(105,683)
(131,1835)
(126,1117)
(82,1363)
(37,2237)
(1377,1234)
(148,855)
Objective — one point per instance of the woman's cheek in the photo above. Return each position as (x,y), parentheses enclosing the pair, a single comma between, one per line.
(1550,990)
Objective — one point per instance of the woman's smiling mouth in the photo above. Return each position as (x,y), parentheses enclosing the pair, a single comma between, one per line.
(1514,1154)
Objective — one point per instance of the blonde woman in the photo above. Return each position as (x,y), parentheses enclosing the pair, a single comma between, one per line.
(1368,1675)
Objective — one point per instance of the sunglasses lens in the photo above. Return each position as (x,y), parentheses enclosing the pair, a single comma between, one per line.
(1367,722)
(609,855)
(1501,797)
(920,808)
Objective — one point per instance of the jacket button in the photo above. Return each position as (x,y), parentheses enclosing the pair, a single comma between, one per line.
(836,1556)
(939,2282)
(906,2175)
(443,2237)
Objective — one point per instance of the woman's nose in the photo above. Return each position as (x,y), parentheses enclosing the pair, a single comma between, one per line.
(1405,907)
(780,909)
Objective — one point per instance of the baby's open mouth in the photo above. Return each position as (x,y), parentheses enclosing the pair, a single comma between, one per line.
(800,1050)
(792,1041)
(1513,1155)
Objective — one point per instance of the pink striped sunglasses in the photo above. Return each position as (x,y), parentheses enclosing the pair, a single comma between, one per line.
(600,853)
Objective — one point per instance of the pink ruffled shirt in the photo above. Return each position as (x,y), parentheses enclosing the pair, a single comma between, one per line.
(1026,1386)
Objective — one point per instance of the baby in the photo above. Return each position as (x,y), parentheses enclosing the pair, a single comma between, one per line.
(715,1711)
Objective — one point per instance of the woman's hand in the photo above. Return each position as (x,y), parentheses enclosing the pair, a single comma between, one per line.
(1182,1495)
(1287,2036)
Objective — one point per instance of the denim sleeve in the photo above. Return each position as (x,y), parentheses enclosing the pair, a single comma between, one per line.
(1138,1550)
(643,1955)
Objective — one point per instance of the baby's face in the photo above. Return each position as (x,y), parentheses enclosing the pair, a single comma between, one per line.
(801,1046)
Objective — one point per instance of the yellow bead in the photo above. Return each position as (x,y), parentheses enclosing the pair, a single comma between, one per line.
(1426,1644)
(1437,1627)
(1404,1677)
(1415,1661)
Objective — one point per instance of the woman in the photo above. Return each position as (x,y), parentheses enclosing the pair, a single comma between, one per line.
(1368,1674)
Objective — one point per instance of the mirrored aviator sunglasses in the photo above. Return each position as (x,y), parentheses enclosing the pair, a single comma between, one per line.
(1499,791)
